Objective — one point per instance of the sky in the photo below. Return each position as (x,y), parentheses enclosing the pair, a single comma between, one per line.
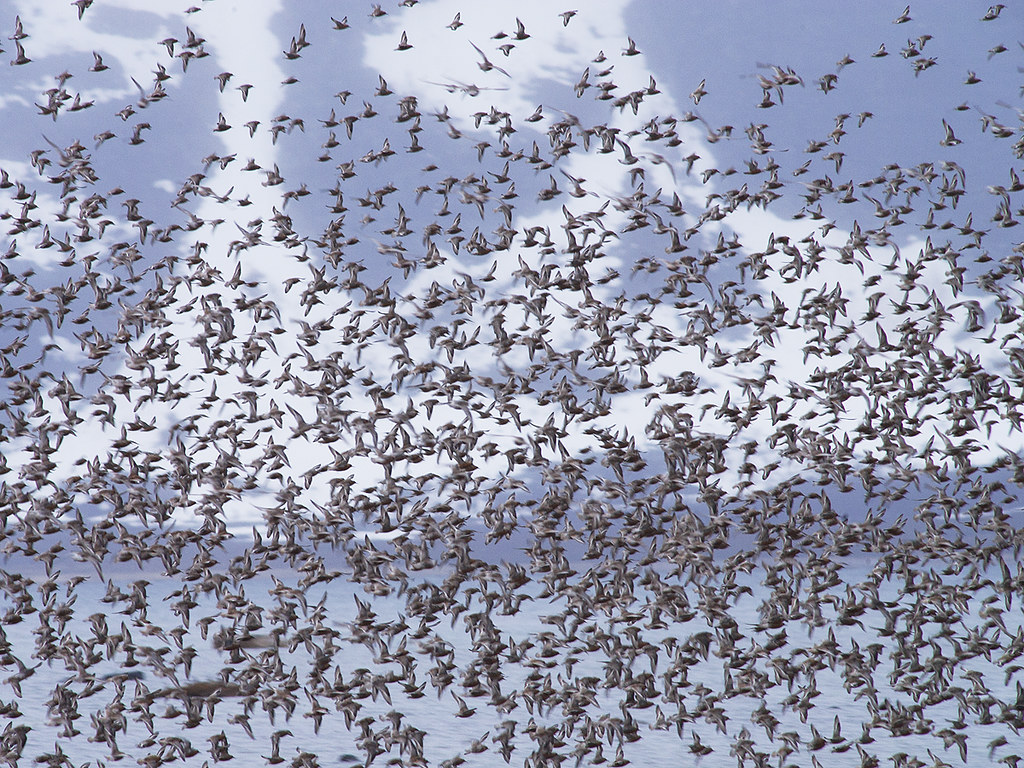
(703,64)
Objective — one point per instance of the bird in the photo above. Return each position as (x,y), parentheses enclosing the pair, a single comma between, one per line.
(950,139)
(486,65)
(20,57)
(699,92)
(993,12)
(717,414)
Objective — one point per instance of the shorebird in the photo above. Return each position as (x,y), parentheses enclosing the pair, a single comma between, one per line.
(600,444)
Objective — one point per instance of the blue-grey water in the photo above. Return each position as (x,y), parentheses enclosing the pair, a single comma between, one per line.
(682,720)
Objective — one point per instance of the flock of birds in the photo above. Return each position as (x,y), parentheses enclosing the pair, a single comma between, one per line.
(460,443)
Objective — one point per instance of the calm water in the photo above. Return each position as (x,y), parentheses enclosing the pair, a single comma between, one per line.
(447,735)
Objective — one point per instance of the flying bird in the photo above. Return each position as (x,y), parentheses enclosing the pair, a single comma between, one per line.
(486,65)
